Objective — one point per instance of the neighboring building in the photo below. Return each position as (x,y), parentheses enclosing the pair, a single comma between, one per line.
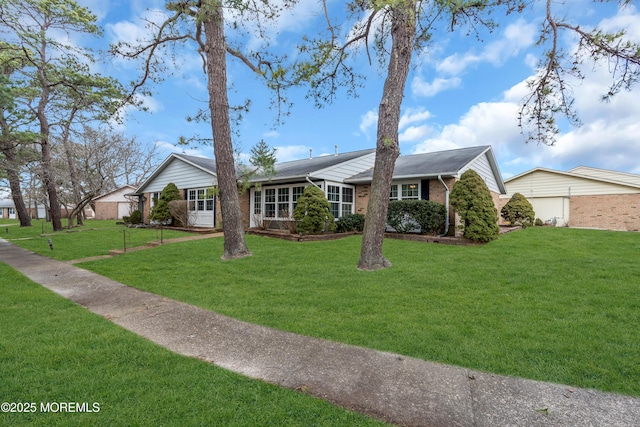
(116,204)
(345,179)
(582,197)
(8,210)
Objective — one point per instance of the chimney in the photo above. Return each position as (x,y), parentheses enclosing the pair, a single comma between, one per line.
(336,149)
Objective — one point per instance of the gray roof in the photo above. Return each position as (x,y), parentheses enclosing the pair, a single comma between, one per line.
(6,203)
(447,163)
(304,167)
(202,162)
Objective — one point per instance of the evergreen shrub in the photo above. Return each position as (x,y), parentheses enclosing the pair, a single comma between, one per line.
(313,212)
(161,212)
(472,201)
(518,211)
(136,217)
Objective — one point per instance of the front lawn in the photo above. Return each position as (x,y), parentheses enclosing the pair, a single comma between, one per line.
(53,352)
(95,237)
(552,304)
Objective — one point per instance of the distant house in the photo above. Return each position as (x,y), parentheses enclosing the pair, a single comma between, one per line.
(116,204)
(582,197)
(345,179)
(8,210)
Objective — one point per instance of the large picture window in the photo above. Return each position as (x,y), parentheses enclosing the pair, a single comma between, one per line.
(200,199)
(280,202)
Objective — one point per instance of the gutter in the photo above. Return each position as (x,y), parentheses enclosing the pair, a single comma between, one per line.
(446,218)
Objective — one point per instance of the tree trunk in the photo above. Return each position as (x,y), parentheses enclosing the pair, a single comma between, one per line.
(216,54)
(14,184)
(50,184)
(48,178)
(403,27)
(71,164)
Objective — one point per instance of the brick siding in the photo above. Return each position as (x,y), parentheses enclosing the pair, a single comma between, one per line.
(362,198)
(245,208)
(611,211)
(106,210)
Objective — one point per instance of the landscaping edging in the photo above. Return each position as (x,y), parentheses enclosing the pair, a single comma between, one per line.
(285,235)
(447,240)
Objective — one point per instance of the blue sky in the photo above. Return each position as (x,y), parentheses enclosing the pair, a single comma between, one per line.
(461,92)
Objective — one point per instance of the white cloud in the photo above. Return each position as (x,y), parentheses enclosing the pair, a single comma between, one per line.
(295,19)
(286,153)
(368,120)
(414,133)
(420,87)
(516,37)
(414,115)
(100,8)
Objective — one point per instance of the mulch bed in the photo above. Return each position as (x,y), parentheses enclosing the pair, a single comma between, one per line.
(285,235)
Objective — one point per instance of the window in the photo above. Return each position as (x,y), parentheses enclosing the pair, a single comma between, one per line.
(295,195)
(191,200)
(347,201)
(257,202)
(410,191)
(394,192)
(333,194)
(200,199)
(270,202)
(280,201)
(283,203)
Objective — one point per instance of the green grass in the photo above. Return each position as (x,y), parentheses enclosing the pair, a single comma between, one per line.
(95,237)
(52,350)
(552,304)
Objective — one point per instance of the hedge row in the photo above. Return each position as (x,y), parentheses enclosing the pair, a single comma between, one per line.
(423,216)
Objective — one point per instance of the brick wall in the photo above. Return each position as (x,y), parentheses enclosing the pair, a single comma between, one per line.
(146,210)
(245,205)
(362,198)
(106,210)
(611,211)
(437,193)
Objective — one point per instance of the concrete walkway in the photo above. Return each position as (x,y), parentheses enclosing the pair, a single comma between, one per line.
(391,387)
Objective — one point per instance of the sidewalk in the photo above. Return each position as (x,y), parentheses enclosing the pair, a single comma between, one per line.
(391,387)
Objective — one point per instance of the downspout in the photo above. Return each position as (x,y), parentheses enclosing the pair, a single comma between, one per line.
(446,204)
(312,183)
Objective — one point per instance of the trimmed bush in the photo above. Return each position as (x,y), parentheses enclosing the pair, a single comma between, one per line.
(161,211)
(539,222)
(136,217)
(313,212)
(349,223)
(473,202)
(518,211)
(425,216)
